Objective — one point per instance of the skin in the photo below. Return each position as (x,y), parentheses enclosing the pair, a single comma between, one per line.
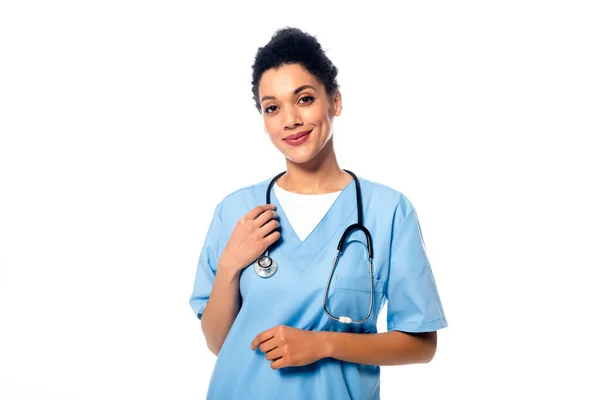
(312,168)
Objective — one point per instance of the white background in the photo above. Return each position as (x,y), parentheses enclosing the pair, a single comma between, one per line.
(123,123)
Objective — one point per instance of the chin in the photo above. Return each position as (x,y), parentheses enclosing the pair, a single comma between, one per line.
(301,154)
(300,158)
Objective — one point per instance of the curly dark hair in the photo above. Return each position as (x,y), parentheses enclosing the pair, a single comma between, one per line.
(290,45)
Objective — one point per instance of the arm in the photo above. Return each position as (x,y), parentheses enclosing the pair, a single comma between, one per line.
(222,307)
(251,236)
(387,348)
(286,346)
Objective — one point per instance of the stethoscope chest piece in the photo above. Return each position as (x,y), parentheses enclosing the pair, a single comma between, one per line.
(265,267)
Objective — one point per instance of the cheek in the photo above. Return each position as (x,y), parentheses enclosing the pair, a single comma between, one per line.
(276,141)
(270,128)
(274,137)
(315,116)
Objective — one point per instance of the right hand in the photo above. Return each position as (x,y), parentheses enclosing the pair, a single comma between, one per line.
(252,235)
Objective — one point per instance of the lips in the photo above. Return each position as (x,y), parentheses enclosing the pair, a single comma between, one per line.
(297,135)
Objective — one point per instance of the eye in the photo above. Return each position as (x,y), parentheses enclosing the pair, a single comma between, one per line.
(266,110)
(308,97)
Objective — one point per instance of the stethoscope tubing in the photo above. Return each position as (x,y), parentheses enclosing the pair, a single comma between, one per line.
(270,266)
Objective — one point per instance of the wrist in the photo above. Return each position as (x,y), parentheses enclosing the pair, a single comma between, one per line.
(231,273)
(326,344)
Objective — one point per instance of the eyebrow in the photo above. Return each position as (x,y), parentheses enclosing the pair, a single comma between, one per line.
(301,88)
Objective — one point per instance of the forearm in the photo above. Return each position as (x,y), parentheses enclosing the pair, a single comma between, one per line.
(388,348)
(222,308)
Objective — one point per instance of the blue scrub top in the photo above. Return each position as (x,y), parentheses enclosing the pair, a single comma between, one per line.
(294,295)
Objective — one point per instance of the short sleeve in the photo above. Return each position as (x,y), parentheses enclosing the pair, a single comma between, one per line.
(413,301)
(207,264)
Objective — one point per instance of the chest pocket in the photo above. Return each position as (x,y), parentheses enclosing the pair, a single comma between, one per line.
(352,288)
(352,296)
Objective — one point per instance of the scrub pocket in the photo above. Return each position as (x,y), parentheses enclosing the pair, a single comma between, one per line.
(351,298)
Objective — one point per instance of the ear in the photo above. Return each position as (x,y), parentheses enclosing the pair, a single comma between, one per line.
(337,103)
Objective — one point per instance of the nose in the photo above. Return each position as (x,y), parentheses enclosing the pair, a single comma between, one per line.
(292,118)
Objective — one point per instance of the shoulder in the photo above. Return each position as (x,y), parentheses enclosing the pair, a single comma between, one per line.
(237,203)
(384,196)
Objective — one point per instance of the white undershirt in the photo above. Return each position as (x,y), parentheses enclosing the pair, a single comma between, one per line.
(304,211)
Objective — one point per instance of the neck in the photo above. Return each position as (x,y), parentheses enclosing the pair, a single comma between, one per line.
(320,175)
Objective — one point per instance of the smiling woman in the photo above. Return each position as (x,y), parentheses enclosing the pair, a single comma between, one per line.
(274,327)
(297,110)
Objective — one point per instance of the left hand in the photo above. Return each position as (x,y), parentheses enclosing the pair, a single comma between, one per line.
(289,347)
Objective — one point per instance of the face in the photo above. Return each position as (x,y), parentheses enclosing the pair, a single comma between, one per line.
(294,101)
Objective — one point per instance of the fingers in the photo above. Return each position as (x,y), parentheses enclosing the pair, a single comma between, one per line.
(272,238)
(256,211)
(275,350)
(273,354)
(279,363)
(262,337)
(265,217)
(268,346)
(268,228)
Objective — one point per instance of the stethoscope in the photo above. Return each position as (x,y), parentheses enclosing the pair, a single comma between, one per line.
(266,267)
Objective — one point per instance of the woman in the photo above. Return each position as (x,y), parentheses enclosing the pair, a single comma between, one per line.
(268,326)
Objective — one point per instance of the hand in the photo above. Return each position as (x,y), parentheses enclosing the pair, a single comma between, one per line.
(290,347)
(252,235)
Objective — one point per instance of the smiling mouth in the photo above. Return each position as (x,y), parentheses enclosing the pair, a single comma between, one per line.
(297,136)
(300,139)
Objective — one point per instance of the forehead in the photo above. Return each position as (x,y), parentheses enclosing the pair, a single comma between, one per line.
(285,79)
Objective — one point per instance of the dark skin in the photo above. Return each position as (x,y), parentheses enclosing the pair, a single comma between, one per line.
(312,168)
(286,346)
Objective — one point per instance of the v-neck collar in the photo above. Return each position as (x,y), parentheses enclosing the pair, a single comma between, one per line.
(302,253)
(320,202)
